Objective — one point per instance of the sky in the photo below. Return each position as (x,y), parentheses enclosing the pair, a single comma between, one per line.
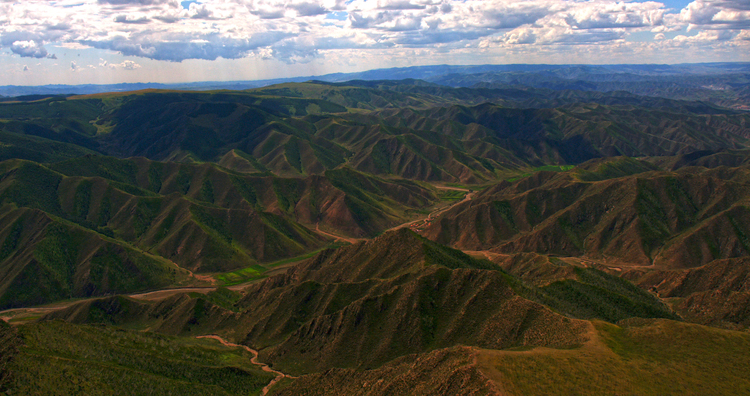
(173,41)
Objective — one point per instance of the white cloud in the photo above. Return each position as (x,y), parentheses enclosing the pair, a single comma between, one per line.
(28,49)
(74,46)
(705,37)
(298,31)
(129,65)
(122,18)
(125,65)
(717,14)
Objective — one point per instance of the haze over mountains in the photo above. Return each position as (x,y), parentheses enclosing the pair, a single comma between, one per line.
(467,230)
(721,82)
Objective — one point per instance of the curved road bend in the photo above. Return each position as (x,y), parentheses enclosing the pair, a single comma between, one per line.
(254,360)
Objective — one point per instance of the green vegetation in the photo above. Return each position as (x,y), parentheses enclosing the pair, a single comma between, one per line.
(637,358)
(118,170)
(451,195)
(11,240)
(615,168)
(33,186)
(62,358)
(258,271)
(55,273)
(436,254)
(598,295)
(545,168)
(241,275)
(221,297)
(38,149)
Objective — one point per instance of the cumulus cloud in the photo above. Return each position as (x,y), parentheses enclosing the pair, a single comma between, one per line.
(125,65)
(717,14)
(130,65)
(308,9)
(132,19)
(28,49)
(557,35)
(705,36)
(178,47)
(297,31)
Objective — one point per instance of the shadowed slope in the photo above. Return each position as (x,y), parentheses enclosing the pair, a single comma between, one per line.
(44,259)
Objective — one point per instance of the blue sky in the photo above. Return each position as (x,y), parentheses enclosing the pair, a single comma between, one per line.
(674,4)
(111,41)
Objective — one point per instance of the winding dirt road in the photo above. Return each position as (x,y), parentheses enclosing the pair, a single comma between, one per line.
(337,237)
(254,360)
(438,211)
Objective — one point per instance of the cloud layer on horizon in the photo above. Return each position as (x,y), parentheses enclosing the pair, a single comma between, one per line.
(298,31)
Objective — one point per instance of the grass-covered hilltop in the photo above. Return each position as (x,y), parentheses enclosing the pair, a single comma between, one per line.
(570,231)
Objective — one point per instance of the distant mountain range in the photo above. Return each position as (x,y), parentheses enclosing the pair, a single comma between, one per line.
(681,81)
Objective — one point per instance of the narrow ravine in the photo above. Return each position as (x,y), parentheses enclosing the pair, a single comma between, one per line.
(254,360)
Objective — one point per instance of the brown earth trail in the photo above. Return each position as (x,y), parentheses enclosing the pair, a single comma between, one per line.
(254,360)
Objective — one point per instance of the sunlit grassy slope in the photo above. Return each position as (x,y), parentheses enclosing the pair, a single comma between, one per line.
(643,357)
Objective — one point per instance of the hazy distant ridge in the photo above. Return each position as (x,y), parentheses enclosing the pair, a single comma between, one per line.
(436,73)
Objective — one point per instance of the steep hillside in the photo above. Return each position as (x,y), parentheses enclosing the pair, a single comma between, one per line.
(96,225)
(194,232)
(342,200)
(668,220)
(363,305)
(440,372)
(716,294)
(9,349)
(44,259)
